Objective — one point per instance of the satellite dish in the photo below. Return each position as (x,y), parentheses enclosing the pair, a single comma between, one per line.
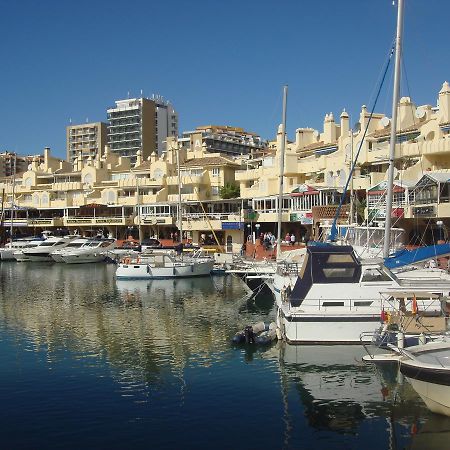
(385,121)
(420,113)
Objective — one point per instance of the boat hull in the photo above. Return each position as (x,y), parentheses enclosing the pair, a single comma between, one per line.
(45,257)
(83,259)
(435,396)
(178,270)
(326,329)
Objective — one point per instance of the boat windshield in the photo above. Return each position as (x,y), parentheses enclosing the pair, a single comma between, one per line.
(75,244)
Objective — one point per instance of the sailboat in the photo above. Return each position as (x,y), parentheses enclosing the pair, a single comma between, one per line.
(334,296)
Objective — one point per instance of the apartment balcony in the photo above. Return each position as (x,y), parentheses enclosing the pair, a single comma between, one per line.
(67,186)
(248,175)
(187,180)
(128,200)
(141,182)
(186,197)
(85,200)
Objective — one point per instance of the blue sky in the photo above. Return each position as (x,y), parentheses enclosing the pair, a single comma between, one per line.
(219,62)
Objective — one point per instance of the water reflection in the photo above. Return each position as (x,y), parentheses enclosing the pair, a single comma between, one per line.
(165,344)
(142,326)
(339,394)
(432,434)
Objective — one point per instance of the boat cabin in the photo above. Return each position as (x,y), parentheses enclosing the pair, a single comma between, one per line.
(325,264)
(331,264)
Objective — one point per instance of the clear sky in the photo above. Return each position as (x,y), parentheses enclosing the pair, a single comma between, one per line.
(219,62)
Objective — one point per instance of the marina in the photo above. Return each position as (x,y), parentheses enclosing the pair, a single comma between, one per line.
(209,287)
(91,361)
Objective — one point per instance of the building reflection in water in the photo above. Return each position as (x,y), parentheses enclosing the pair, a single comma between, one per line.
(143,328)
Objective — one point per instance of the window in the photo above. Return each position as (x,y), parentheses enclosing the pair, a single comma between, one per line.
(339,272)
(333,304)
(374,274)
(216,172)
(362,303)
(339,259)
(214,190)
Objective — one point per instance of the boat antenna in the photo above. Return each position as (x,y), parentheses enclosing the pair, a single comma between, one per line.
(281,174)
(395,97)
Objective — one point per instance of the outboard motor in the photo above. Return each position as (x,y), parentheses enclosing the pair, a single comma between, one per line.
(249,335)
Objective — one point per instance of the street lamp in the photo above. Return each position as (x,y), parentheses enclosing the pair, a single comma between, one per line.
(257,226)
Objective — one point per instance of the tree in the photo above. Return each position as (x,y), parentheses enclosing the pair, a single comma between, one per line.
(230,190)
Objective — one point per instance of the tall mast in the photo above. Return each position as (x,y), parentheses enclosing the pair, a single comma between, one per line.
(13,199)
(395,97)
(180,219)
(281,174)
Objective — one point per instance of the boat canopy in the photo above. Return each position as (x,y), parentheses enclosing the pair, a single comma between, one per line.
(324,264)
(405,257)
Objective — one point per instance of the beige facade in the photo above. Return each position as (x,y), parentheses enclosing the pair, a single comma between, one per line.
(109,193)
(86,139)
(116,193)
(320,161)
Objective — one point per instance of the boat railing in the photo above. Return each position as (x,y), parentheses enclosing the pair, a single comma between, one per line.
(288,268)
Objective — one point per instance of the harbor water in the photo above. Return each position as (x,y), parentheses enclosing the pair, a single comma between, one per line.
(88,361)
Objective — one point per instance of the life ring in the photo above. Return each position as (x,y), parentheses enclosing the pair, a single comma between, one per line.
(126,260)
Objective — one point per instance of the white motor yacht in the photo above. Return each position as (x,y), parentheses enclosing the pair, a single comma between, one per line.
(42,253)
(163,265)
(95,250)
(334,297)
(19,254)
(57,255)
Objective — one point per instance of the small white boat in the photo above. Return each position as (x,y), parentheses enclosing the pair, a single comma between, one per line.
(95,250)
(427,367)
(58,254)
(42,253)
(162,265)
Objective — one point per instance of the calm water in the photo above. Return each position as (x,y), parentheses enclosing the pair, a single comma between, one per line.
(91,362)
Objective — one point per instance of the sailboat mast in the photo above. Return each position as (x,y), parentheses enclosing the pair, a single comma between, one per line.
(13,199)
(395,98)
(180,219)
(281,175)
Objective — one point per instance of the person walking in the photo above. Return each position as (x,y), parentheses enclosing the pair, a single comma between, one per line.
(292,239)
